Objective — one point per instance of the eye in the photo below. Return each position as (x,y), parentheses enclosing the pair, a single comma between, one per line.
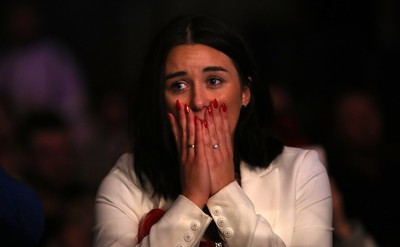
(215,81)
(178,86)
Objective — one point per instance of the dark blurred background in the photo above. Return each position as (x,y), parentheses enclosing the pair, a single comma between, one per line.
(65,67)
(313,47)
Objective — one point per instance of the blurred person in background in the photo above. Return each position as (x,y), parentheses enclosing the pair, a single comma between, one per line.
(9,150)
(37,71)
(362,162)
(21,213)
(76,222)
(348,232)
(288,127)
(110,118)
(49,164)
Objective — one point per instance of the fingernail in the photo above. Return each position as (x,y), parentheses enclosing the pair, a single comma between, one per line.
(205,124)
(209,111)
(187,109)
(223,106)
(178,105)
(215,103)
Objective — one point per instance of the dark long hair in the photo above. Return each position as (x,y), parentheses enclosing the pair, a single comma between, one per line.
(154,148)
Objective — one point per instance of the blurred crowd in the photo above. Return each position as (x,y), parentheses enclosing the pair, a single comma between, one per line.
(361,160)
(59,141)
(50,139)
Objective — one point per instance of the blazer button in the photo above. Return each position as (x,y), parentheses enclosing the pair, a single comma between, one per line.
(221,222)
(216,210)
(228,232)
(188,236)
(181,245)
(195,225)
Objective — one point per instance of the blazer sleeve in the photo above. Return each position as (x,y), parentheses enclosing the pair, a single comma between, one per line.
(237,221)
(121,206)
(313,202)
(302,217)
(183,224)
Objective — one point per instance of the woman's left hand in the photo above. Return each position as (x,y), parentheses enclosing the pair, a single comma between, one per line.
(194,171)
(218,146)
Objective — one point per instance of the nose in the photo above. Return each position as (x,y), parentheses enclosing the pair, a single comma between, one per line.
(199,99)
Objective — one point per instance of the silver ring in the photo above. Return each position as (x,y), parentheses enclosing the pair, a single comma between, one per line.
(215,146)
(190,145)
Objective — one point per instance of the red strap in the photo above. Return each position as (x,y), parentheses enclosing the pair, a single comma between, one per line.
(149,220)
(206,243)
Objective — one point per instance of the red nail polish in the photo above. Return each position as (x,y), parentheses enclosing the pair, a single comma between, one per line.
(205,124)
(223,106)
(178,105)
(196,120)
(215,103)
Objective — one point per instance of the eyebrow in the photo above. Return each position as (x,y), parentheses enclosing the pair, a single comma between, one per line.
(214,68)
(206,69)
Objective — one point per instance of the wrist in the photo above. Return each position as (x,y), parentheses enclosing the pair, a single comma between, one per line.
(199,201)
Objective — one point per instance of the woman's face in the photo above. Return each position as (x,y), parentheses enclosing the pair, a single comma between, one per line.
(196,75)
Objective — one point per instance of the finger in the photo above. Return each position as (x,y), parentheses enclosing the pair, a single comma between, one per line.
(199,141)
(182,128)
(190,131)
(216,126)
(206,139)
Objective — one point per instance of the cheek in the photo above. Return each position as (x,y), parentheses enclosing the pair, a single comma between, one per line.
(170,103)
(171,108)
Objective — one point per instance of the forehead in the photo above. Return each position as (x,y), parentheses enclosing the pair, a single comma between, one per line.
(196,55)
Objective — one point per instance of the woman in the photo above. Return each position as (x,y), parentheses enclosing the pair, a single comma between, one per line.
(203,154)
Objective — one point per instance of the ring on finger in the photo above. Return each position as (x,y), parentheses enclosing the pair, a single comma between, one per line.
(190,145)
(215,146)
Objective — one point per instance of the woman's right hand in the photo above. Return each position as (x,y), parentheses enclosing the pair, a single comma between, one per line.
(194,170)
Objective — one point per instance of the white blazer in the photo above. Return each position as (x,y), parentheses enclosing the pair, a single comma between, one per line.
(287,204)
